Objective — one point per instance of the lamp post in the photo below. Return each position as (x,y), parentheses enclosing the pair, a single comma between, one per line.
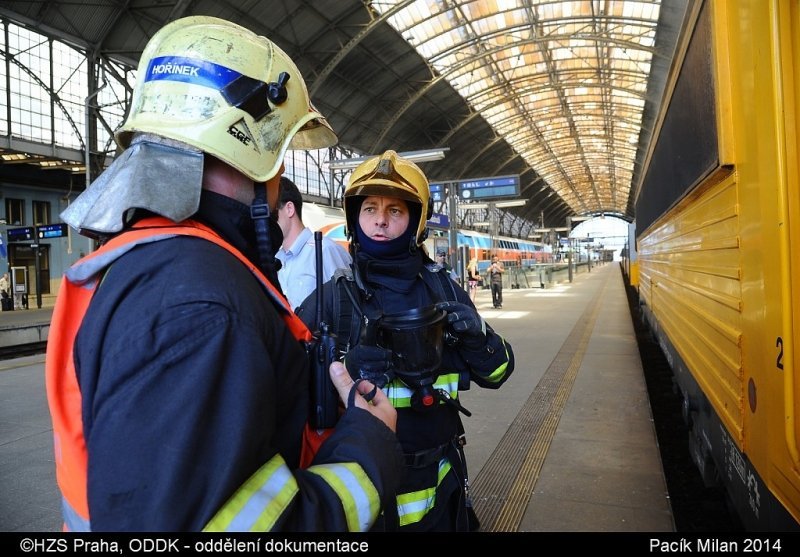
(453,231)
(589,257)
(493,229)
(571,251)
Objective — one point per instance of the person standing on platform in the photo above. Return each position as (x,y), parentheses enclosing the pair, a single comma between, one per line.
(5,286)
(6,300)
(403,324)
(441,259)
(495,272)
(473,278)
(298,255)
(176,373)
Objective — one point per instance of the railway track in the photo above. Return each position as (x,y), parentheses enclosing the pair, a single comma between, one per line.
(695,507)
(20,350)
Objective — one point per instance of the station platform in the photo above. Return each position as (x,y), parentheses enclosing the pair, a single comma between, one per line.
(24,326)
(567,444)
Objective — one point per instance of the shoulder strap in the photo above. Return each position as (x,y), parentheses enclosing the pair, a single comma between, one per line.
(348,310)
(155,228)
(444,287)
(349,313)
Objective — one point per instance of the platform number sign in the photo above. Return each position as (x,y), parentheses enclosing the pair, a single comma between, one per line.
(437,192)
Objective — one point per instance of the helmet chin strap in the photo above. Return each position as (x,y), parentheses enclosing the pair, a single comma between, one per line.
(260,213)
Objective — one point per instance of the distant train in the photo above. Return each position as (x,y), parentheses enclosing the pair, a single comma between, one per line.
(717,253)
(512,251)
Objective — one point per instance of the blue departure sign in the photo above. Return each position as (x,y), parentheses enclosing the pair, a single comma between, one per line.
(20,234)
(46,231)
(489,188)
(437,192)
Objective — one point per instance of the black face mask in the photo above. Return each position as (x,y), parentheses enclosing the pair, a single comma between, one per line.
(415,338)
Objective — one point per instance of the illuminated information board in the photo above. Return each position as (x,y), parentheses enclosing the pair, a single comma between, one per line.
(480,188)
(45,231)
(489,188)
(20,234)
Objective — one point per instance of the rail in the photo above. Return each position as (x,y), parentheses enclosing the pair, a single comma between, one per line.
(20,350)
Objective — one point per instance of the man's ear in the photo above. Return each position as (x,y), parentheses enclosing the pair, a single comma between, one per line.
(289,206)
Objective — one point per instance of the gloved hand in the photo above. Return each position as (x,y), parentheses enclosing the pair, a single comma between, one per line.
(465,324)
(372,363)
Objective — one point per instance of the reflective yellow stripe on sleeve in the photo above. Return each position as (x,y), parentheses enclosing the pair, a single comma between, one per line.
(260,502)
(500,372)
(358,495)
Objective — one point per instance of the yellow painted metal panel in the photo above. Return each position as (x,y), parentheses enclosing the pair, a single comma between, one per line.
(692,261)
(785,22)
(722,73)
(634,278)
(719,271)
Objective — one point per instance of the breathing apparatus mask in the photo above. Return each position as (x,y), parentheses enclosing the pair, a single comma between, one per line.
(410,343)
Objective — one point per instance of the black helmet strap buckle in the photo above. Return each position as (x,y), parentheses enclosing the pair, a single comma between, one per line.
(251,95)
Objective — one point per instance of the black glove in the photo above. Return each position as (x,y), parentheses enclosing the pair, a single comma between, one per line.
(372,363)
(464,323)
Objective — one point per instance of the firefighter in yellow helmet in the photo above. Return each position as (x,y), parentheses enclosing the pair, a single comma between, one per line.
(177,376)
(405,326)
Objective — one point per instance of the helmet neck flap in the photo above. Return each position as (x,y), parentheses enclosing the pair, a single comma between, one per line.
(156,174)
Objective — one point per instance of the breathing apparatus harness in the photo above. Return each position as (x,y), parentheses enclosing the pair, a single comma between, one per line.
(424,329)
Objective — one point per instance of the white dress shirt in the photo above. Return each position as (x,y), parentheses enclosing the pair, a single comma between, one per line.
(298,274)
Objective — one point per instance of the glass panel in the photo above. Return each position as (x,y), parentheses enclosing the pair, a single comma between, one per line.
(563,82)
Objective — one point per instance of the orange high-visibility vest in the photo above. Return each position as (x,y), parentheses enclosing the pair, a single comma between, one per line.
(63,393)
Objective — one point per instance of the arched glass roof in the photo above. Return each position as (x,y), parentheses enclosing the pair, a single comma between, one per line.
(564,83)
(564,94)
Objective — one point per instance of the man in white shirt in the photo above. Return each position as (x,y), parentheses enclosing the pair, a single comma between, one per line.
(298,273)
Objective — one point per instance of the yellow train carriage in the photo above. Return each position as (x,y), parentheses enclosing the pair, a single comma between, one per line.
(718,247)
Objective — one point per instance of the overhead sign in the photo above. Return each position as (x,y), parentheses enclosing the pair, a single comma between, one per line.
(20,234)
(437,192)
(45,231)
(489,188)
